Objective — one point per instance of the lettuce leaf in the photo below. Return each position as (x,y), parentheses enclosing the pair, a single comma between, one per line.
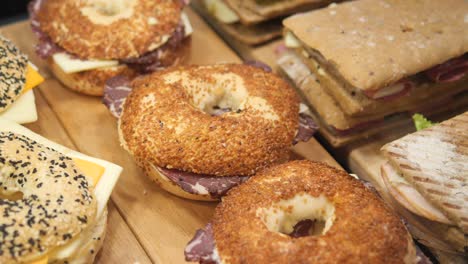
(420,122)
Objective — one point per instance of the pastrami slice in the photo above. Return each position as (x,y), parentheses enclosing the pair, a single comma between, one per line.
(115,91)
(307,128)
(450,71)
(202,247)
(194,183)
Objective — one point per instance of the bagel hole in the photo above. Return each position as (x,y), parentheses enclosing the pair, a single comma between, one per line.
(108,8)
(226,94)
(303,215)
(307,227)
(11,197)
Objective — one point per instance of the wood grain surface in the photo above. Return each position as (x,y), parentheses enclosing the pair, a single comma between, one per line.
(146,224)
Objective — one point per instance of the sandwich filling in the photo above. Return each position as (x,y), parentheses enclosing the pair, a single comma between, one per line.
(453,70)
(71,63)
(329,111)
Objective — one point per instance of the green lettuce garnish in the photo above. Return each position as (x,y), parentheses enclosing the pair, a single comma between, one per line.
(420,122)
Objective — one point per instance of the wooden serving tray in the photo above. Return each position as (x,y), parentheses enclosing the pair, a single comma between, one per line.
(146,224)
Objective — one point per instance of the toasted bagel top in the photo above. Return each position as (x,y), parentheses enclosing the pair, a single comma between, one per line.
(172,119)
(362,229)
(100,29)
(12,73)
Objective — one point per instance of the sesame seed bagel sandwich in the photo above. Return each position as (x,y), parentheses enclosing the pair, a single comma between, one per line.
(302,212)
(200,130)
(18,77)
(53,200)
(88,42)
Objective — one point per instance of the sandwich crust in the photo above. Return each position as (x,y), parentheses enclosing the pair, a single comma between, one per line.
(82,27)
(372,44)
(363,230)
(168,119)
(13,73)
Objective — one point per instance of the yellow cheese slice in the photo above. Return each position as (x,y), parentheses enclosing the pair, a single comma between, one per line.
(90,169)
(33,79)
(42,260)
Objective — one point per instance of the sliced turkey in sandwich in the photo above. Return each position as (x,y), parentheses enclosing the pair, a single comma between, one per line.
(427,175)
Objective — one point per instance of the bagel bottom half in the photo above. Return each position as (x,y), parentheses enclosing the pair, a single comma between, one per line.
(153,173)
(262,221)
(92,82)
(88,82)
(91,243)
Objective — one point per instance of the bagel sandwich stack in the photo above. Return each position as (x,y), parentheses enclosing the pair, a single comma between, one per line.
(426,178)
(253,21)
(200,130)
(53,200)
(365,66)
(87,42)
(18,77)
(322,215)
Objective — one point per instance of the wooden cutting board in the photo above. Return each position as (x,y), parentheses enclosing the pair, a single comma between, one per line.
(146,224)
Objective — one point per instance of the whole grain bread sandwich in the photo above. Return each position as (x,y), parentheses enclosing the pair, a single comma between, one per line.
(375,62)
(426,177)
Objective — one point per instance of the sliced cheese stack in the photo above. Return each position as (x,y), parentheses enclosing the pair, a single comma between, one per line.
(102,174)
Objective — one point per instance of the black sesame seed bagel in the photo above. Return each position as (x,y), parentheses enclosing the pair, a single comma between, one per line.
(102,29)
(254,222)
(221,120)
(45,200)
(13,73)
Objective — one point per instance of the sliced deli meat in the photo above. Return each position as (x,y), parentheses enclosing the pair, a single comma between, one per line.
(115,91)
(450,71)
(307,128)
(202,247)
(202,184)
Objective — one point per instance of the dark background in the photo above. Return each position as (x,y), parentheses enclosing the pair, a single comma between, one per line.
(12,9)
